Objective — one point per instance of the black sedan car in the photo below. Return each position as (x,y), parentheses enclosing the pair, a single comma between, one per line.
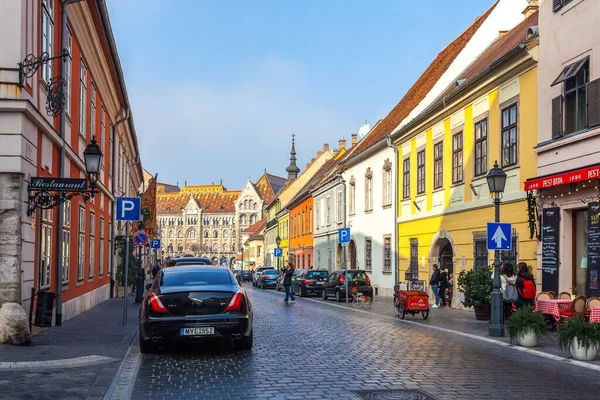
(336,286)
(267,279)
(246,276)
(195,304)
(309,281)
(176,262)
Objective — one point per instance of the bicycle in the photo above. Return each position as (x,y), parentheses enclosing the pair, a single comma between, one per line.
(359,300)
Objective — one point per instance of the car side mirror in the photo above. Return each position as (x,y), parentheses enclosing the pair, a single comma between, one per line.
(148,286)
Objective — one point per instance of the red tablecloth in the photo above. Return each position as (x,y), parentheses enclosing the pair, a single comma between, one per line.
(553,307)
(595,315)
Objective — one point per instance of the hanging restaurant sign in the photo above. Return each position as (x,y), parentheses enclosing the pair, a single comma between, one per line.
(564,178)
(58,184)
(47,193)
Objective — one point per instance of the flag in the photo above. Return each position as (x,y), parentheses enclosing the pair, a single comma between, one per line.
(149,209)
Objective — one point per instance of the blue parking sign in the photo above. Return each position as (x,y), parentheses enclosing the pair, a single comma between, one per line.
(278,252)
(129,209)
(344,235)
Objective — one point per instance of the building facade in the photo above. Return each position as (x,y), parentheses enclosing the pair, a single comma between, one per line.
(43,137)
(566,185)
(445,153)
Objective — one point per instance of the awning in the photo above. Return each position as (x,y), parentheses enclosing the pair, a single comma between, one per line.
(564,178)
(570,71)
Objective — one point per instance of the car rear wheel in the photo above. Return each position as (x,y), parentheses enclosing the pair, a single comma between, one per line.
(147,347)
(324,295)
(303,292)
(245,343)
(338,296)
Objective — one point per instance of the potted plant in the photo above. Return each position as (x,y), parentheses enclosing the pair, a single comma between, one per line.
(574,291)
(476,285)
(526,325)
(580,337)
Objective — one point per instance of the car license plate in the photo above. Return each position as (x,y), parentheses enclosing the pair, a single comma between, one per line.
(320,283)
(196,331)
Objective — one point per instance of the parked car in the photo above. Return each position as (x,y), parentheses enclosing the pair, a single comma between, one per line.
(176,262)
(309,281)
(257,274)
(336,287)
(195,304)
(246,275)
(267,279)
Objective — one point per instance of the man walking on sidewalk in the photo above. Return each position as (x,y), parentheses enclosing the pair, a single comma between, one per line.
(287,282)
(434,282)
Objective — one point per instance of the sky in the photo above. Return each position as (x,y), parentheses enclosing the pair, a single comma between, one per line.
(218,87)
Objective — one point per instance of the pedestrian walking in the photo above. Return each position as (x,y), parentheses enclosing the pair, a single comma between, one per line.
(287,282)
(443,285)
(510,294)
(434,283)
(155,271)
(525,286)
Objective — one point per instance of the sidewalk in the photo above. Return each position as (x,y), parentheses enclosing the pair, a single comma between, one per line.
(464,322)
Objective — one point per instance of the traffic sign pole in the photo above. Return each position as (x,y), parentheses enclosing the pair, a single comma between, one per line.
(126,272)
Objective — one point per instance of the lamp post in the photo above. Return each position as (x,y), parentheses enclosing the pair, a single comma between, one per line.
(278,242)
(496,180)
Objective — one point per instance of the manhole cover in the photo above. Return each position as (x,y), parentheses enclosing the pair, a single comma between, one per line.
(397,394)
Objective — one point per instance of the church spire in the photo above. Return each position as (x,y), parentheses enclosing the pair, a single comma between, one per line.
(293,169)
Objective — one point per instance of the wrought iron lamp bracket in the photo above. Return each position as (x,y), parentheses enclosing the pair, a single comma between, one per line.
(48,199)
(29,66)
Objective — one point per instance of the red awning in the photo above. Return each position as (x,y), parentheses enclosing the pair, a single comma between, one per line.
(564,178)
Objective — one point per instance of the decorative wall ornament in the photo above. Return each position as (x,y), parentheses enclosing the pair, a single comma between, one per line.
(369,173)
(387,165)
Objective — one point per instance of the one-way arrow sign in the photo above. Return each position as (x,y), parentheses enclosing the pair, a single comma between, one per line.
(499,236)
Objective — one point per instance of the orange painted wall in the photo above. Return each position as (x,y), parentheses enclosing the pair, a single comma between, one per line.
(301,242)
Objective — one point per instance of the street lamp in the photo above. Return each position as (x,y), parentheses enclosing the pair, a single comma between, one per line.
(92,156)
(496,180)
(278,242)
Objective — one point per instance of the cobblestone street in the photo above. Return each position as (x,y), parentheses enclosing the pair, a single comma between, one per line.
(314,350)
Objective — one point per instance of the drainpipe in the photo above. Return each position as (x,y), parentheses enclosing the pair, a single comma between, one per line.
(113,190)
(61,167)
(388,139)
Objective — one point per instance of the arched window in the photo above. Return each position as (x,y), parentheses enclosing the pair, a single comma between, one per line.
(206,234)
(225,247)
(215,234)
(246,205)
(243,220)
(233,247)
(215,247)
(171,234)
(191,234)
(233,233)
(180,234)
(206,247)
(180,248)
(225,234)
(253,219)
(255,206)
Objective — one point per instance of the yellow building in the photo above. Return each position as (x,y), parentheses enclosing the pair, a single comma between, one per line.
(444,154)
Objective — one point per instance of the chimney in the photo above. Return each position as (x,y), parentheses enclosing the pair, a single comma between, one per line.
(532,7)
(319,153)
(326,147)
(354,139)
(342,144)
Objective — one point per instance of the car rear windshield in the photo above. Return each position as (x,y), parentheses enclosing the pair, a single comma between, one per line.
(359,277)
(245,272)
(194,278)
(178,263)
(270,272)
(317,274)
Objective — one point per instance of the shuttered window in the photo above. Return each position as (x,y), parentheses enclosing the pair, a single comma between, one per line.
(557,117)
(593,103)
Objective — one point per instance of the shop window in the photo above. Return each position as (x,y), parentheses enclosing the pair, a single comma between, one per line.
(387,253)
(368,254)
(412,273)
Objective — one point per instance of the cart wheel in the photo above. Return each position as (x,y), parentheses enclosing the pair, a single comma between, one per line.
(400,311)
(425,314)
(396,307)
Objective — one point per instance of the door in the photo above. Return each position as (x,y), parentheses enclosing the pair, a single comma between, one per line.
(353,263)
(331,282)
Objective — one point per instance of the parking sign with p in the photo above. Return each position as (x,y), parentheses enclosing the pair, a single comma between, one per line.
(129,209)
(344,235)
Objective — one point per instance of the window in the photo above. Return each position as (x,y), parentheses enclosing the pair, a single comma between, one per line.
(303,231)
(368,254)
(225,234)
(179,234)
(82,96)
(387,254)
(369,190)
(329,264)
(102,135)
(46,248)
(406,178)
(66,240)
(215,234)
(225,247)
(480,252)
(309,265)
(318,214)
(481,147)
(387,183)
(438,165)
(191,234)
(558,4)
(421,172)
(575,99)
(352,196)
(92,245)
(69,73)
(412,273)
(457,158)
(81,244)
(328,210)
(509,135)
(109,155)
(340,207)
(511,256)
(110,246)
(101,250)
(310,219)
(47,37)
(93,111)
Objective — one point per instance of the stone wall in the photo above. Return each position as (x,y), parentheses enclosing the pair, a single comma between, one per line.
(10,237)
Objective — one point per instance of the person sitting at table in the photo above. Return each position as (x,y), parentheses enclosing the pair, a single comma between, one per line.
(525,286)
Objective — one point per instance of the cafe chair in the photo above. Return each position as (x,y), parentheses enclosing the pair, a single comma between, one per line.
(578,307)
(564,296)
(552,294)
(592,302)
(543,296)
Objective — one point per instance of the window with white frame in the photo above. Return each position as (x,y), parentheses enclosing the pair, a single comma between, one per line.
(406,178)
(369,190)
(46,248)
(457,158)
(317,214)
(191,234)
(102,135)
(92,245)
(47,37)
(387,253)
(110,155)
(101,249)
(368,254)
(66,241)
(81,244)
(110,246)
(340,206)
(93,111)
(421,172)
(69,73)
(387,183)
(82,96)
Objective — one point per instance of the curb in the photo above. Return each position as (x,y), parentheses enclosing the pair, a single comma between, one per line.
(62,363)
(123,383)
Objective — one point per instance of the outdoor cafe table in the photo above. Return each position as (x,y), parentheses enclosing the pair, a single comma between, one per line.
(553,307)
(595,315)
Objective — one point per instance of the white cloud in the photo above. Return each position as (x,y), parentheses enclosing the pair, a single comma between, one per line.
(202,132)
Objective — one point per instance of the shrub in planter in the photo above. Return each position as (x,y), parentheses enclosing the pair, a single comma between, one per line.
(526,325)
(132,268)
(580,337)
(476,285)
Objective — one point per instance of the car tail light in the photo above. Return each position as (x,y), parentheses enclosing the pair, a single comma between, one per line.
(368,280)
(157,305)
(236,301)
(308,282)
(341,280)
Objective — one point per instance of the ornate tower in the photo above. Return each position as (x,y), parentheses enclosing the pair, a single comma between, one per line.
(292,169)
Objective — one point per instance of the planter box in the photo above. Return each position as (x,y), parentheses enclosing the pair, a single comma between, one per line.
(528,339)
(483,312)
(583,353)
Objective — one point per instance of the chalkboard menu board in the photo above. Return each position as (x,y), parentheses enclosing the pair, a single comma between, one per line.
(593,260)
(550,242)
